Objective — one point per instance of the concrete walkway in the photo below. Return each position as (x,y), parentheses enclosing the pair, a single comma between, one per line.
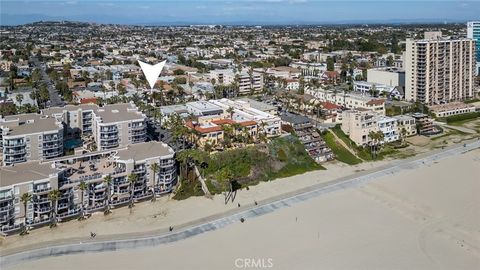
(342,143)
(148,239)
(202,181)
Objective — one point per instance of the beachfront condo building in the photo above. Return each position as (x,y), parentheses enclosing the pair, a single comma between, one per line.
(348,100)
(439,69)
(407,125)
(81,182)
(29,137)
(473,32)
(111,126)
(358,124)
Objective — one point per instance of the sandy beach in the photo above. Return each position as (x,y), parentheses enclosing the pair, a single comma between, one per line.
(425,218)
(165,212)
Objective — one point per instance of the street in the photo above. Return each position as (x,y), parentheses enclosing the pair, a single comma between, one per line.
(55,99)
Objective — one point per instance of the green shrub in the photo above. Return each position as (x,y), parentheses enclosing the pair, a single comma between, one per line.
(281,155)
(461,117)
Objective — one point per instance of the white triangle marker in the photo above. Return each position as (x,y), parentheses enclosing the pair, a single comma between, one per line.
(152,72)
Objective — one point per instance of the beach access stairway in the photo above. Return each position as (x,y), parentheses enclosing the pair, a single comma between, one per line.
(202,181)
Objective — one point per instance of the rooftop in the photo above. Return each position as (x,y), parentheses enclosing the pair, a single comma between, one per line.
(29,124)
(25,172)
(142,151)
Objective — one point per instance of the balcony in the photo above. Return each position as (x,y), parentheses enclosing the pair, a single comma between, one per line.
(138,127)
(142,196)
(10,144)
(139,170)
(119,171)
(52,154)
(43,210)
(10,160)
(70,213)
(41,190)
(39,201)
(6,198)
(47,146)
(6,218)
(108,138)
(94,208)
(139,188)
(139,132)
(168,172)
(108,130)
(167,163)
(99,188)
(109,144)
(62,206)
(11,228)
(6,208)
(120,202)
(51,139)
(13,152)
(99,197)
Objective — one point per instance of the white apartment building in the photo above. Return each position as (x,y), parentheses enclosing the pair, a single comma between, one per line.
(439,69)
(29,137)
(66,173)
(473,32)
(348,100)
(389,76)
(408,123)
(111,126)
(119,125)
(365,88)
(358,124)
(310,69)
(33,136)
(246,83)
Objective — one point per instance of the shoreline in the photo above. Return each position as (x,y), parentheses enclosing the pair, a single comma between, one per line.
(341,182)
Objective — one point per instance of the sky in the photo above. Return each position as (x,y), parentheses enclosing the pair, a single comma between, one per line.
(14,12)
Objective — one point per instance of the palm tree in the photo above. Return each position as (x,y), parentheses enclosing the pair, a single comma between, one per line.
(373,137)
(19,98)
(54,196)
(230,111)
(25,198)
(107,181)
(403,133)
(132,179)
(82,186)
(155,169)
